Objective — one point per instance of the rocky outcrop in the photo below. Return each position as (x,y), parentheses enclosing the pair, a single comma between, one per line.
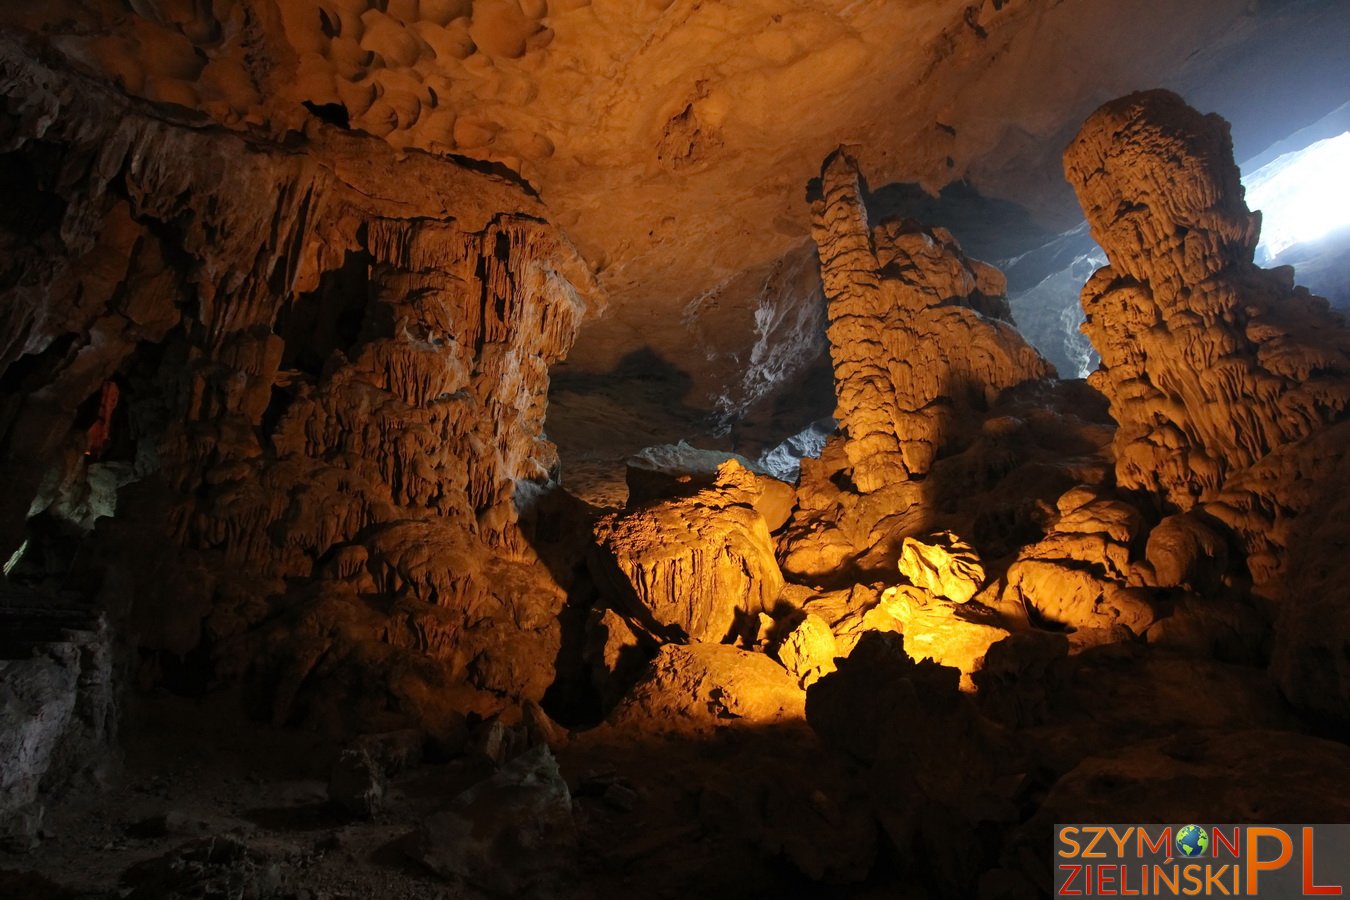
(919,334)
(944,565)
(948,419)
(809,650)
(695,568)
(58,719)
(695,688)
(999,493)
(329,385)
(1230,384)
(1210,363)
(950,634)
(1082,574)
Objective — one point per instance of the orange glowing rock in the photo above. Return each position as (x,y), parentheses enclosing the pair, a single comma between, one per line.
(947,633)
(691,568)
(920,334)
(809,650)
(700,687)
(944,565)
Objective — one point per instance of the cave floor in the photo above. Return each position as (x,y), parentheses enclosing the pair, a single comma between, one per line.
(691,818)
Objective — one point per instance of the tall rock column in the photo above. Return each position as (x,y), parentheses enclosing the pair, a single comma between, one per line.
(1230,384)
(920,334)
(1210,363)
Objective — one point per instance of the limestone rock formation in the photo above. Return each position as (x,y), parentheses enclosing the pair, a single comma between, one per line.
(1210,363)
(809,650)
(659,473)
(325,381)
(918,334)
(696,688)
(693,568)
(664,132)
(944,565)
(1080,574)
(1230,384)
(950,634)
(999,493)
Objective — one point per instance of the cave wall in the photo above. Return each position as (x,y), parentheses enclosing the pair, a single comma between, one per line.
(330,366)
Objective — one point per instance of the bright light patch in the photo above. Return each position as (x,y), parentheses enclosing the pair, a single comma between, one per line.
(1302,195)
(14,560)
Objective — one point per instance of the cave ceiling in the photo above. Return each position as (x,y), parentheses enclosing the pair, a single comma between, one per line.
(673,141)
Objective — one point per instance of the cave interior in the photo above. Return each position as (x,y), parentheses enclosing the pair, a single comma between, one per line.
(672,448)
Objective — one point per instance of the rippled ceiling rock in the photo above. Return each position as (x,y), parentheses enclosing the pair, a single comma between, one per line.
(672,138)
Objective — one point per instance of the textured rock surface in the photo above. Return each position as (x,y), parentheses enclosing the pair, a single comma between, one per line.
(999,492)
(694,568)
(944,565)
(690,127)
(1229,383)
(949,634)
(1210,363)
(918,334)
(809,650)
(695,688)
(331,390)
(1081,575)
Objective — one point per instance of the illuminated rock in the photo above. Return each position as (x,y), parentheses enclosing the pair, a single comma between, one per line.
(944,565)
(949,634)
(1229,383)
(699,687)
(948,419)
(1210,363)
(323,385)
(659,473)
(692,568)
(918,334)
(1079,574)
(809,650)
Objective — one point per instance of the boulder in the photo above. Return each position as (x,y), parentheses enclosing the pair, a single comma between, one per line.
(695,568)
(950,634)
(809,650)
(944,565)
(700,687)
(509,834)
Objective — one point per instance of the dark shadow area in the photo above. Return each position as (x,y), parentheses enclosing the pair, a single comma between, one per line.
(599,419)
(332,113)
(988,228)
(328,320)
